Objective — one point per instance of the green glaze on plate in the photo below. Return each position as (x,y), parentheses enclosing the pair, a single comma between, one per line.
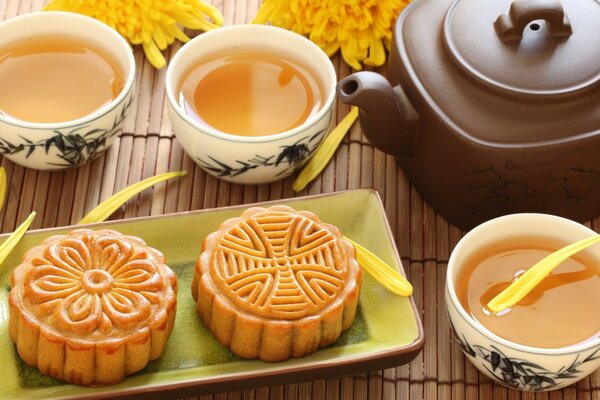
(386,332)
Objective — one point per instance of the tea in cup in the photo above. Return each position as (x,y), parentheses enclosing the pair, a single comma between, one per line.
(55,79)
(66,85)
(250,103)
(549,339)
(250,94)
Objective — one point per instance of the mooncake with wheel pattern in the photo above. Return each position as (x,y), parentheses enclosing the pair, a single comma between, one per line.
(91,307)
(276,283)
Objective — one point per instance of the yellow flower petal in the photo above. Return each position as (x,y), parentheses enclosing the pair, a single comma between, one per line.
(360,28)
(153,54)
(364,39)
(178,33)
(351,53)
(376,54)
(110,205)
(159,38)
(391,279)
(331,48)
(321,158)
(212,12)
(153,23)
(15,237)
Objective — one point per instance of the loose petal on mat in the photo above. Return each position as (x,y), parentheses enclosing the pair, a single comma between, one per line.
(110,205)
(15,237)
(2,186)
(391,279)
(317,163)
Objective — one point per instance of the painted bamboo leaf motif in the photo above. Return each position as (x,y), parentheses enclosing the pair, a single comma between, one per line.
(73,147)
(292,155)
(518,373)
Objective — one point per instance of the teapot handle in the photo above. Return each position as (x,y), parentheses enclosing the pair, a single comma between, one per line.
(510,26)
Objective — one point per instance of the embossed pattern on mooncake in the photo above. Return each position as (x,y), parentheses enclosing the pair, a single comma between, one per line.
(276,283)
(280,265)
(106,295)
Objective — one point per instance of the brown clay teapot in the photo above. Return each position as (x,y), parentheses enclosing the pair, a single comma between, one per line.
(492,106)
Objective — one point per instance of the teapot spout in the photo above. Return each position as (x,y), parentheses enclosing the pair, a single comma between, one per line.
(386,116)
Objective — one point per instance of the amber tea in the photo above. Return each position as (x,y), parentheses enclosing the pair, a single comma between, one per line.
(250,94)
(561,311)
(55,79)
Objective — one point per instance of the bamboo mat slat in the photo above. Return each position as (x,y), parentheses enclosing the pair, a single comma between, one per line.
(147,147)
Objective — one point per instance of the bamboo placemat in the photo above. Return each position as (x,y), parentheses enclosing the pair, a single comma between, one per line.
(147,147)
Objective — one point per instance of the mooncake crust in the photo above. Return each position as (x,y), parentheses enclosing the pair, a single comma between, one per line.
(91,307)
(276,283)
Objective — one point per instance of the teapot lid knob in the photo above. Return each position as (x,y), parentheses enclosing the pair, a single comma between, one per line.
(542,49)
(510,26)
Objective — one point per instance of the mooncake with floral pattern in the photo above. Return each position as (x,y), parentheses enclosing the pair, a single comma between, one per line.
(276,283)
(91,307)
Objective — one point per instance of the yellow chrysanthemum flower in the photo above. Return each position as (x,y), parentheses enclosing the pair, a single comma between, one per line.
(360,28)
(155,24)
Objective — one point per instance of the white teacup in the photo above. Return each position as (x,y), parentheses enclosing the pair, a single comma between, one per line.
(250,159)
(62,145)
(508,363)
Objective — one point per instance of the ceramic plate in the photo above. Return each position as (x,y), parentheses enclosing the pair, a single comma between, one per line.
(387,331)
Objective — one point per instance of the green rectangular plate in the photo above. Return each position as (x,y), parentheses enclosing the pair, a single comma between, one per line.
(387,331)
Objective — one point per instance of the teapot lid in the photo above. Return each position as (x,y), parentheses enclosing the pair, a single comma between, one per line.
(540,48)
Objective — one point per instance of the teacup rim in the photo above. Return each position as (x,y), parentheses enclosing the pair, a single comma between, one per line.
(561,351)
(209,130)
(101,111)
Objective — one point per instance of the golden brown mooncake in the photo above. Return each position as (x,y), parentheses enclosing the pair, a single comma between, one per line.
(91,307)
(276,283)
